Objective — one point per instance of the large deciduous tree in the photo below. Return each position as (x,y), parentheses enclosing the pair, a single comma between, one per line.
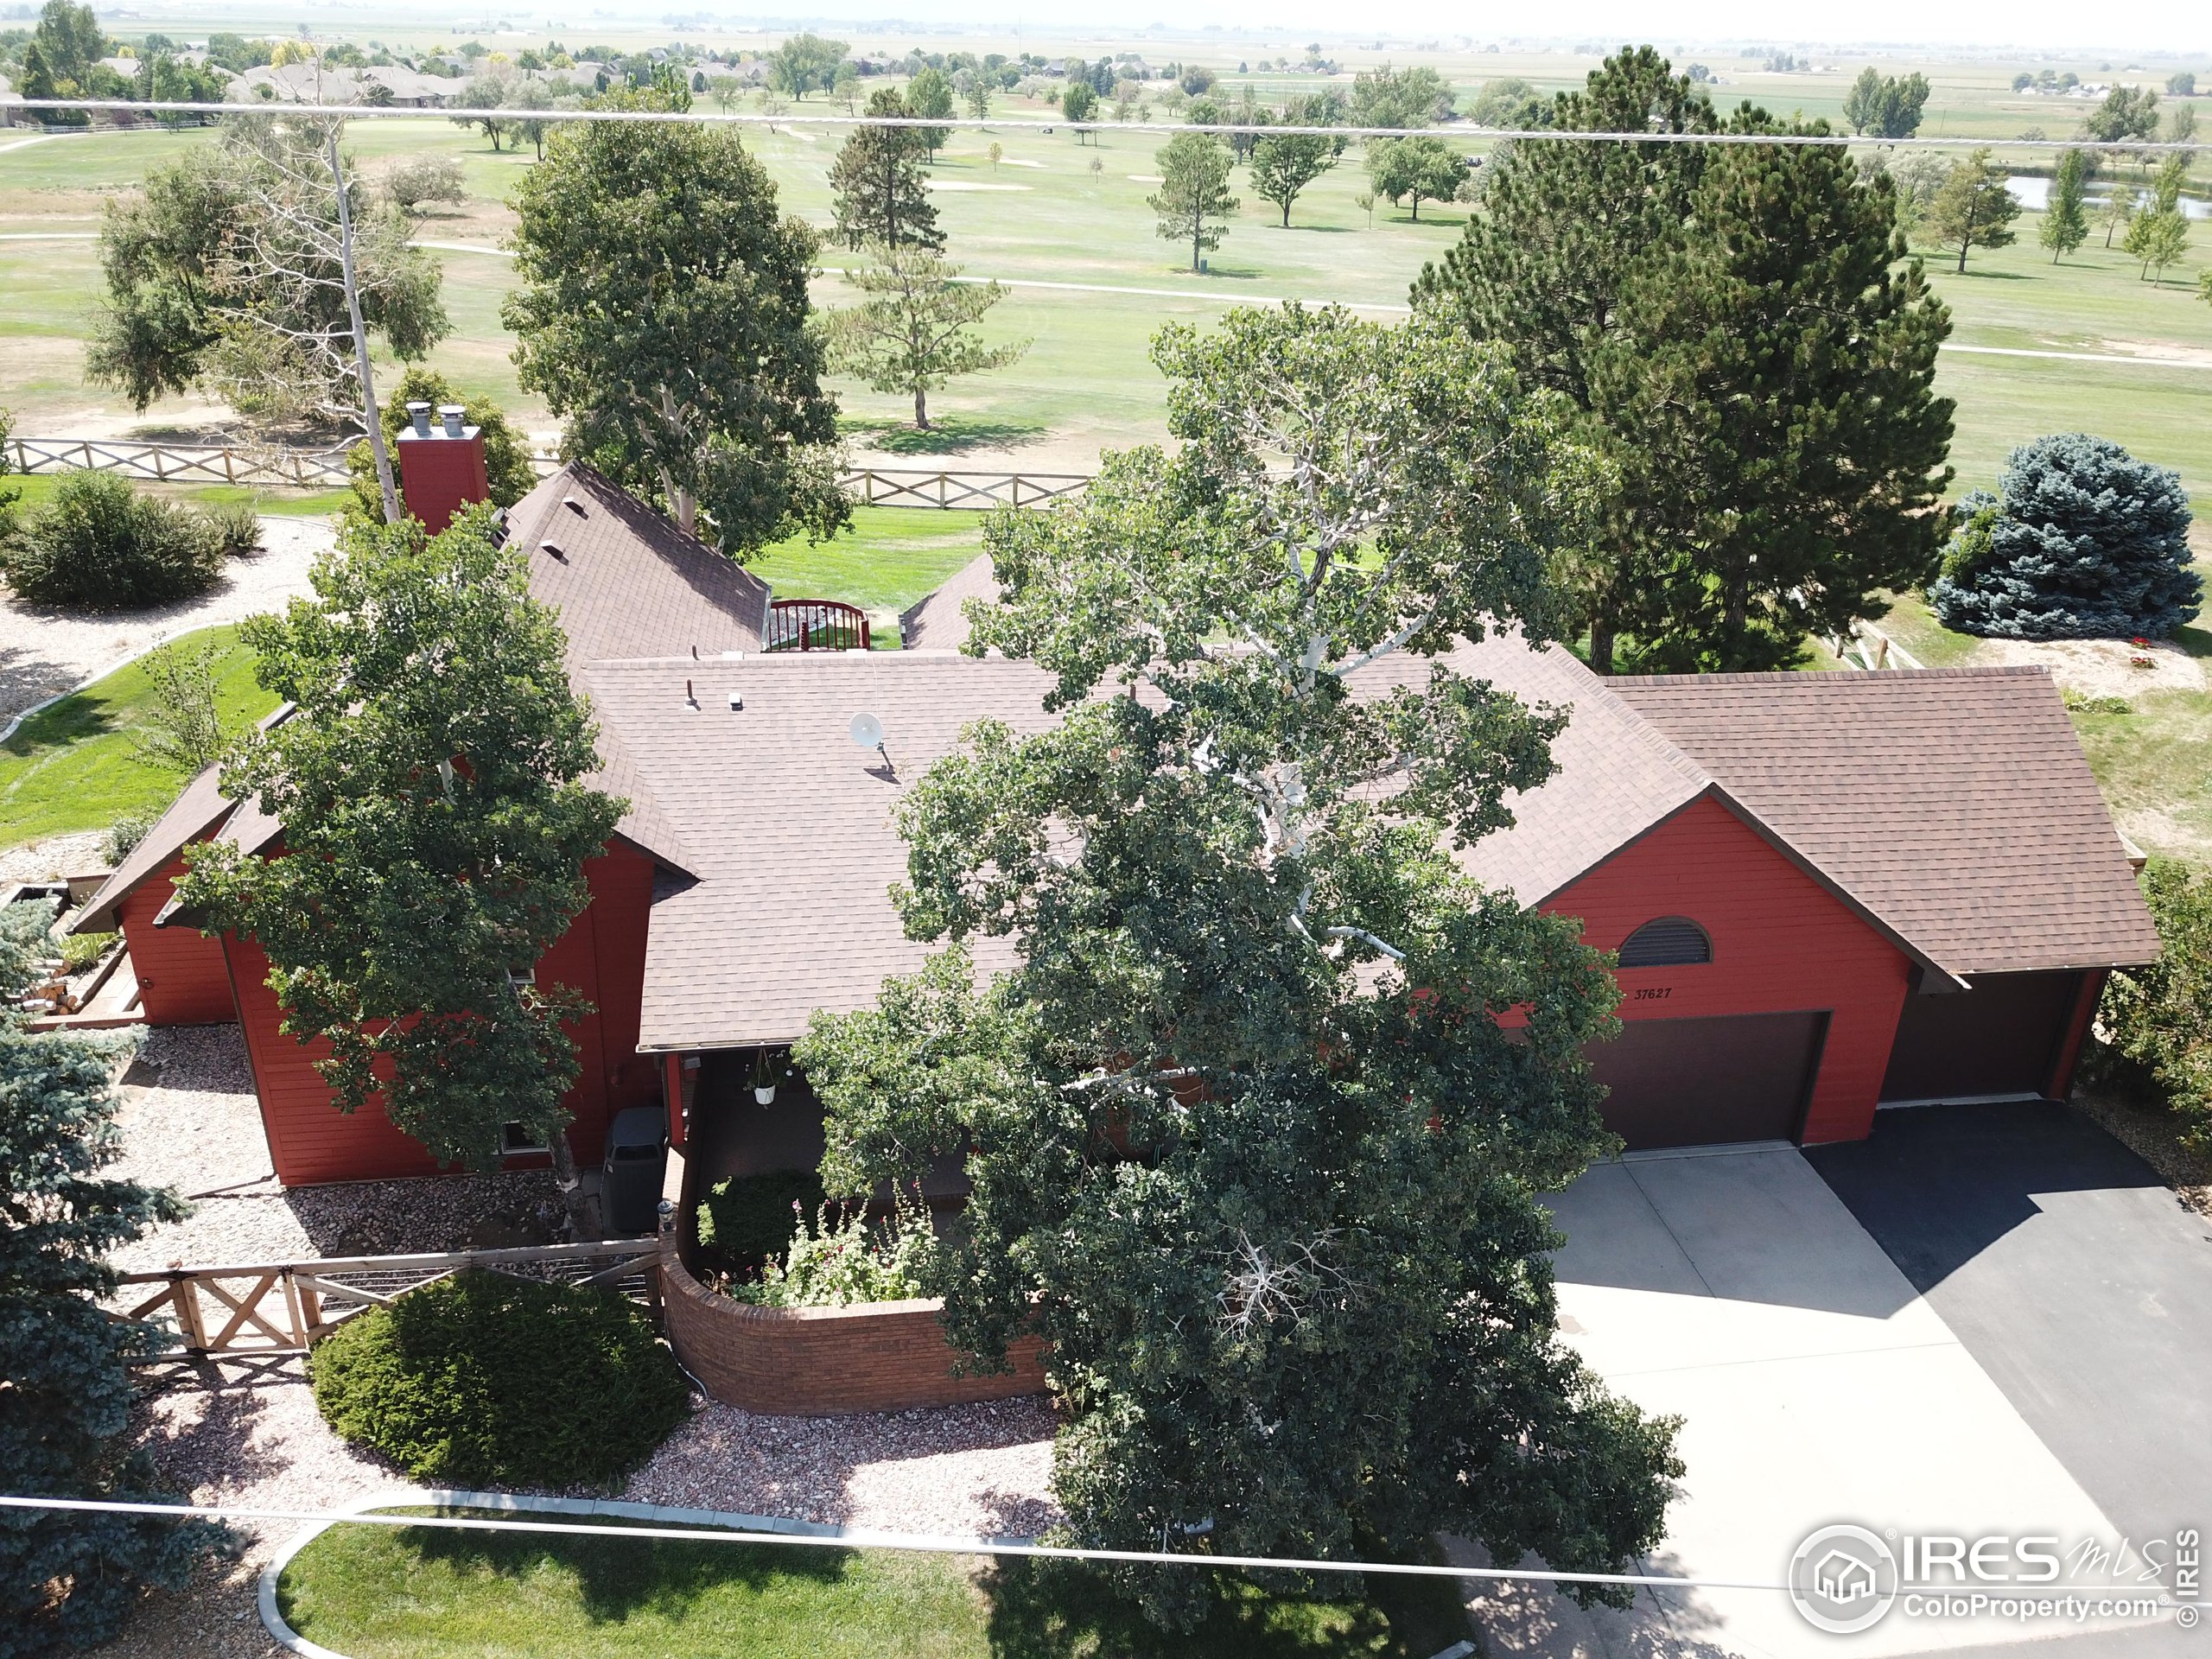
(803,62)
(431,783)
(879,190)
(662,310)
(1284,164)
(1193,201)
(1252,1144)
(1885,106)
(65,1389)
(916,330)
(1733,325)
(228,272)
(1418,166)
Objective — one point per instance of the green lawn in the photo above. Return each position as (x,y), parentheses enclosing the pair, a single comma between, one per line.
(374,1592)
(890,557)
(37,489)
(76,765)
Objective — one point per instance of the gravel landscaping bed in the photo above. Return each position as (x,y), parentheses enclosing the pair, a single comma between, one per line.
(965,1470)
(190,1121)
(45,650)
(75,853)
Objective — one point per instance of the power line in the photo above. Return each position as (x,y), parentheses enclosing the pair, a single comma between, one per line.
(1463,133)
(917,1543)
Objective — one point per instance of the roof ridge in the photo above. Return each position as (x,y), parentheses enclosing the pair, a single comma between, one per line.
(1831,676)
(1646,730)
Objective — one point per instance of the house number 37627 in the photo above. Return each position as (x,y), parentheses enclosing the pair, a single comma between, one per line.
(1653,992)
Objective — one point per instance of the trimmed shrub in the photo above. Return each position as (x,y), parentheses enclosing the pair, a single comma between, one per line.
(485,1379)
(100,544)
(125,833)
(2082,541)
(747,1221)
(2154,1025)
(235,524)
(837,1263)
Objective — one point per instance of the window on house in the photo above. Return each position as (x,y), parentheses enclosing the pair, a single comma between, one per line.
(514,1138)
(1669,942)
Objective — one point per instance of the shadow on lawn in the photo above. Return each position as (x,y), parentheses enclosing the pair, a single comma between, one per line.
(952,435)
(1061,1610)
(616,1579)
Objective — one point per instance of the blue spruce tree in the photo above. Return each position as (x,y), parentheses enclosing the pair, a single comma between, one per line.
(65,1393)
(2083,541)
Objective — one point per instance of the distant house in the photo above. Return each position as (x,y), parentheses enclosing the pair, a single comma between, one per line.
(1827,892)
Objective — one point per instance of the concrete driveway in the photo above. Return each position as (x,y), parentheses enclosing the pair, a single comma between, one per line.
(1815,1383)
(2074,1277)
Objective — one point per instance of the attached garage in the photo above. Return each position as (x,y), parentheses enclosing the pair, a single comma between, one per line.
(2003,1036)
(1746,1076)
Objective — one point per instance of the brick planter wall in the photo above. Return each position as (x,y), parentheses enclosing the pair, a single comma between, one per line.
(817,1362)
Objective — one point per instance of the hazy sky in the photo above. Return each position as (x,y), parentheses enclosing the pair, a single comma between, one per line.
(2143,26)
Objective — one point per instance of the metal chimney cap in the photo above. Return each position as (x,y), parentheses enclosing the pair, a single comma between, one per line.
(420,415)
(451,414)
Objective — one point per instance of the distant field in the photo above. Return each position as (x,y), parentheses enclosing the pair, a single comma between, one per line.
(1087,382)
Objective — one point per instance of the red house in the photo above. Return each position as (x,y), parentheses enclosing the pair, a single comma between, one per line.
(1829,892)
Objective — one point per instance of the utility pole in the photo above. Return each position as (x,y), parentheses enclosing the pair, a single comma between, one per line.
(369,411)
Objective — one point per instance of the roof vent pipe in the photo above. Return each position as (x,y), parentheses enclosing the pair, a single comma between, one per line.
(420,415)
(451,414)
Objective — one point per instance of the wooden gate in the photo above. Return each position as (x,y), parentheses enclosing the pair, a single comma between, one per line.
(286,1307)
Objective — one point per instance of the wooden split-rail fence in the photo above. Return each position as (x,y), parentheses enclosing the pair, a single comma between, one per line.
(288,466)
(271,1308)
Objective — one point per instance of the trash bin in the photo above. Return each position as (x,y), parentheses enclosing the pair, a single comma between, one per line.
(637,1147)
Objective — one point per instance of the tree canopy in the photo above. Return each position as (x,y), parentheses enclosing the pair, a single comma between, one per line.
(803,62)
(1885,106)
(2065,218)
(877,184)
(65,1430)
(1973,208)
(1733,326)
(662,308)
(431,787)
(2081,541)
(225,271)
(1414,167)
(1284,164)
(1251,1143)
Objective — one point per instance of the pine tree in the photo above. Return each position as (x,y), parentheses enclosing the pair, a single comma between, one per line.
(66,1392)
(2081,542)
(1193,198)
(880,191)
(2065,220)
(1542,271)
(916,330)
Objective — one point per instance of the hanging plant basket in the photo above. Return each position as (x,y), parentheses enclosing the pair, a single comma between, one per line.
(770,1067)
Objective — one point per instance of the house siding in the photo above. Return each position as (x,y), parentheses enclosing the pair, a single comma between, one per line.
(1781,943)
(181,977)
(601,955)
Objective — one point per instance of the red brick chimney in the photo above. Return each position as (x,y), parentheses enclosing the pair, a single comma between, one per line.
(440,465)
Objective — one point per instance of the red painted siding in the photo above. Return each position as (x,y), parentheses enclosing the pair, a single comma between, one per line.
(182,978)
(602,955)
(1781,942)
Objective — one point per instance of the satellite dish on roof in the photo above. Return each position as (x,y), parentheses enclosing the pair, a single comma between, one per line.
(867,731)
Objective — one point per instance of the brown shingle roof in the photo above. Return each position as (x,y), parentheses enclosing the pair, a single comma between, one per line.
(627,582)
(937,622)
(192,815)
(788,824)
(1954,804)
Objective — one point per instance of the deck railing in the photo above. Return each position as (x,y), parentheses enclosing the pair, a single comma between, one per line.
(289,467)
(286,1307)
(815,625)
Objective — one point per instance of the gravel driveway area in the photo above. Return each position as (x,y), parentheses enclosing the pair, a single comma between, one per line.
(44,649)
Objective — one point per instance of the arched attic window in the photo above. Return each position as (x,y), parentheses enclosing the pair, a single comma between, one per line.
(1669,942)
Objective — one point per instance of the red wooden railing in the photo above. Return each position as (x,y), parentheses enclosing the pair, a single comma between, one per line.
(815,625)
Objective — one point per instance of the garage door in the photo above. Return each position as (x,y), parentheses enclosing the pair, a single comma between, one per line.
(1694,1083)
(1999,1037)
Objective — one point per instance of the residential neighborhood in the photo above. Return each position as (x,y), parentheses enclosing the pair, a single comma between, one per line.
(752,906)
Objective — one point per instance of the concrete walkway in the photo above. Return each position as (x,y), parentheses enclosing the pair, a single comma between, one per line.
(1815,1385)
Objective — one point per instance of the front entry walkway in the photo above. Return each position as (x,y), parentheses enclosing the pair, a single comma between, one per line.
(1732,1288)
